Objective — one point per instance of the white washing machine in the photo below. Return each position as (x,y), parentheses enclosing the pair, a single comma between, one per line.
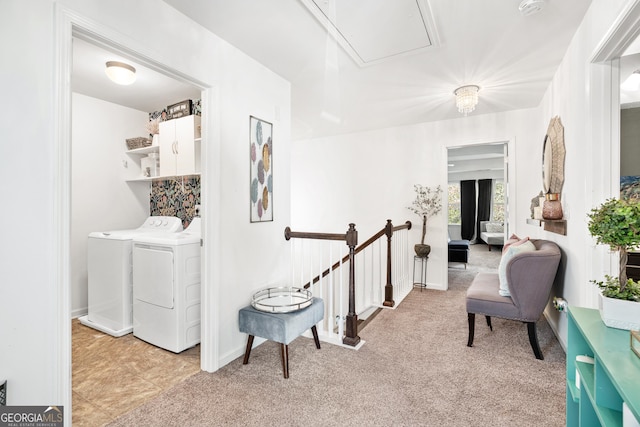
(110,274)
(166,288)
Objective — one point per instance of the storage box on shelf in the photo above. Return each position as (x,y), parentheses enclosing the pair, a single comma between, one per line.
(138,142)
(181,109)
(613,379)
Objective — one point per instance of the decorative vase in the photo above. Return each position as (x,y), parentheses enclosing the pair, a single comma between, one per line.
(552,208)
(422,251)
(619,313)
(156,139)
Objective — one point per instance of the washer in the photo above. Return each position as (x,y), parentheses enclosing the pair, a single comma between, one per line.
(166,288)
(110,271)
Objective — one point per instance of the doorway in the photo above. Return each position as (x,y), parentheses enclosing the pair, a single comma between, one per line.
(110,192)
(477,165)
(472,163)
(70,26)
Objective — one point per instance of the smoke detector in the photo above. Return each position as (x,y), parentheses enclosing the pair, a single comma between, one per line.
(529,7)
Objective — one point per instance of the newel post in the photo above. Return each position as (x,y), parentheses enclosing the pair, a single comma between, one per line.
(388,289)
(351,336)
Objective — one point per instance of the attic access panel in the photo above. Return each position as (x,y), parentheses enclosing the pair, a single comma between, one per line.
(373,31)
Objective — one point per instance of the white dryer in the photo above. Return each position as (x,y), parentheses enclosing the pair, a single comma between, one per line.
(110,271)
(166,288)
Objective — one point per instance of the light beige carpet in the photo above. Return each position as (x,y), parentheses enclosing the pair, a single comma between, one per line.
(414,370)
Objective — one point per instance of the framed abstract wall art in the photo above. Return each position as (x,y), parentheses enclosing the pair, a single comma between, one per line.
(261,169)
(630,188)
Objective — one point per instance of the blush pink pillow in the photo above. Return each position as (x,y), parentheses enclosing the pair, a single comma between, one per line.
(509,242)
(514,241)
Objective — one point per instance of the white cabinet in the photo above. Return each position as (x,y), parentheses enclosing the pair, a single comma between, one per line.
(180,146)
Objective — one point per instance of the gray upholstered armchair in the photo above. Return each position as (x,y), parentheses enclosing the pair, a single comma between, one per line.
(530,277)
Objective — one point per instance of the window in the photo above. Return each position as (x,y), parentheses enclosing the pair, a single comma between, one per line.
(497,202)
(454,203)
(497,208)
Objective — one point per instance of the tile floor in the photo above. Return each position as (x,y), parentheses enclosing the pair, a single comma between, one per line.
(112,376)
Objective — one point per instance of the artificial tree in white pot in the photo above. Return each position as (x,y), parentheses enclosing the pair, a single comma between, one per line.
(428,202)
(616,223)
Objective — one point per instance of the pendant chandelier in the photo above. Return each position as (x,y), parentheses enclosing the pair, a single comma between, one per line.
(466,98)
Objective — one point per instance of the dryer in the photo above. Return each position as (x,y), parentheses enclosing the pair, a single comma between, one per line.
(110,271)
(166,288)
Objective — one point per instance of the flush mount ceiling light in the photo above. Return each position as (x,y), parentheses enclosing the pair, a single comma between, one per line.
(466,98)
(529,7)
(121,73)
(632,83)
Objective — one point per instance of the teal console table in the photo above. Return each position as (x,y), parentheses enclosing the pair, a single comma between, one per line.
(612,379)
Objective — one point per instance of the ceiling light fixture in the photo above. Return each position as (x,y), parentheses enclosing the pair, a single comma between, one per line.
(121,73)
(632,83)
(466,98)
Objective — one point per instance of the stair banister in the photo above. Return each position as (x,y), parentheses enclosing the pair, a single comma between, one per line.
(388,289)
(351,237)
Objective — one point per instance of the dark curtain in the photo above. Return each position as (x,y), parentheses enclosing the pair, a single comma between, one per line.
(467,209)
(484,202)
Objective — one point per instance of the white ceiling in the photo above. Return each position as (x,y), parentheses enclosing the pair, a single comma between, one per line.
(152,91)
(356,26)
(488,43)
(488,158)
(402,80)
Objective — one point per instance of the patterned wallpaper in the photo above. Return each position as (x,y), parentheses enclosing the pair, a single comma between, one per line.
(176,197)
(179,195)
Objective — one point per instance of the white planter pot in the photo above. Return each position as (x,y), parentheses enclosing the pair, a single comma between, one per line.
(620,314)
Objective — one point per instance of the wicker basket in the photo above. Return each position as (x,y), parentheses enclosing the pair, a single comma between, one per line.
(133,143)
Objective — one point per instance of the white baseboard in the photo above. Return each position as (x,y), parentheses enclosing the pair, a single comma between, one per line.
(79,312)
(554,328)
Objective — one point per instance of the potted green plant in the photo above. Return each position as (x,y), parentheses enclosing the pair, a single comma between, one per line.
(616,223)
(428,202)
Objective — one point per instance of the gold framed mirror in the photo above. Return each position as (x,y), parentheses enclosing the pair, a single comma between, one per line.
(553,154)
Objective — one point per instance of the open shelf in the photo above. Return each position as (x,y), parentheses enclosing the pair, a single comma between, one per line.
(159,178)
(612,379)
(558,226)
(145,150)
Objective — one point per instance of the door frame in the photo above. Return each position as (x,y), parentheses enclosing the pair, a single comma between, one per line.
(509,181)
(604,102)
(70,24)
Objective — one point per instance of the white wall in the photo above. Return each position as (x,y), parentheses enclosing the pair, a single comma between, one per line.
(101,198)
(368,177)
(241,256)
(591,161)
(31,339)
(388,162)
(252,255)
(28,335)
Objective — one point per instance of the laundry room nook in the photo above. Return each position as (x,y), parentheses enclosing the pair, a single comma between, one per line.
(120,197)
(136,242)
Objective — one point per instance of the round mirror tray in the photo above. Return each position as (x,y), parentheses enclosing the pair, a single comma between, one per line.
(281,300)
